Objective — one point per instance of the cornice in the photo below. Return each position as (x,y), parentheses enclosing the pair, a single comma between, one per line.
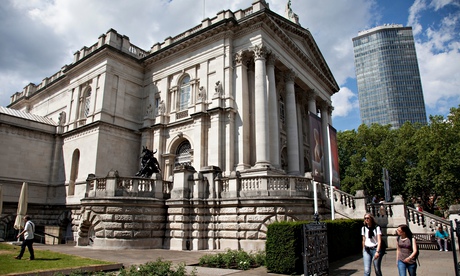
(193,40)
(30,134)
(99,127)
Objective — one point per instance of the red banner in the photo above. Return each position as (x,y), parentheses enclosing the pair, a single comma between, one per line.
(316,148)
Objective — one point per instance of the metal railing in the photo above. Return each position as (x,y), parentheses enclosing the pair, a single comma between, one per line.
(42,238)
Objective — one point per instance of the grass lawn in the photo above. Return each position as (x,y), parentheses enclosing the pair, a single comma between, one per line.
(44,260)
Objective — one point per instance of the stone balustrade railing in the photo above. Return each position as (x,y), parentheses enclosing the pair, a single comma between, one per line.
(269,186)
(426,220)
(380,210)
(345,199)
(115,186)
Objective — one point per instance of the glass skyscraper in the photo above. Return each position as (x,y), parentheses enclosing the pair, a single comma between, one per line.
(389,85)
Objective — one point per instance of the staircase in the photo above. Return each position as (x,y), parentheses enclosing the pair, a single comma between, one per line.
(388,215)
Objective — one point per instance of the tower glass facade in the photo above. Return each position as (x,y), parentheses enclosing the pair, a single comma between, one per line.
(389,85)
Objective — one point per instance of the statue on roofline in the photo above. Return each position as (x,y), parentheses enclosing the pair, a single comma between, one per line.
(289,14)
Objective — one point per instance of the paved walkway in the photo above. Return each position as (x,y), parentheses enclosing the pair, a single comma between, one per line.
(431,262)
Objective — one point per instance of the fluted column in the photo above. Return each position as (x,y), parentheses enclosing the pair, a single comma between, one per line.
(311,97)
(261,107)
(325,123)
(292,133)
(242,118)
(274,132)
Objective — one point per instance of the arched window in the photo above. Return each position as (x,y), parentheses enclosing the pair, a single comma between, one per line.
(184,93)
(183,154)
(74,171)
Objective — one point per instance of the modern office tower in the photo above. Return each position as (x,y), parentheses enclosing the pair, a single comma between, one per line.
(389,85)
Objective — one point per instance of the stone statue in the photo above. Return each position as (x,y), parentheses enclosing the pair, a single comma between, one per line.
(149,110)
(290,14)
(62,118)
(149,164)
(201,93)
(161,108)
(219,89)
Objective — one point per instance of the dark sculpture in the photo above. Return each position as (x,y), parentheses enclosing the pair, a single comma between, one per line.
(149,164)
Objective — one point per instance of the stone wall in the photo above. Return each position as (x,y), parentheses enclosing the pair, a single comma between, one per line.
(122,223)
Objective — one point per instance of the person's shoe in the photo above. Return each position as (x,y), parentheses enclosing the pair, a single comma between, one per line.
(31,259)
(440,249)
(447,249)
(17,258)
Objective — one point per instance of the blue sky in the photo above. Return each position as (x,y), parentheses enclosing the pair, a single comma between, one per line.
(41,36)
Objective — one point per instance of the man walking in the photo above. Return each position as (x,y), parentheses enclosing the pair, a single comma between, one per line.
(28,233)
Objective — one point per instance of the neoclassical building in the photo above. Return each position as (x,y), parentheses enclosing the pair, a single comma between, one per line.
(225,105)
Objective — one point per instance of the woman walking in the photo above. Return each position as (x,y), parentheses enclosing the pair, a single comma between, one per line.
(372,245)
(406,251)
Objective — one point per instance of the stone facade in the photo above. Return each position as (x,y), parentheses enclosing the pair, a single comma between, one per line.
(226,106)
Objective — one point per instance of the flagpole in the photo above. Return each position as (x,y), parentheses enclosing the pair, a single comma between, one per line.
(315,196)
(330,172)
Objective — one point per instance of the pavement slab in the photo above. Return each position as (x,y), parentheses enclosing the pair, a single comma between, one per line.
(432,262)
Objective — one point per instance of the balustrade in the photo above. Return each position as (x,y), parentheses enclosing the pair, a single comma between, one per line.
(123,186)
(345,199)
(425,219)
(380,210)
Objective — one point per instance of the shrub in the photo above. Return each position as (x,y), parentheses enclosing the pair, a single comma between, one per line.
(236,259)
(157,268)
(283,247)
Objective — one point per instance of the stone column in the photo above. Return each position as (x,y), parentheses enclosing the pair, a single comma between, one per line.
(273,119)
(311,97)
(242,118)
(261,108)
(229,129)
(325,123)
(292,133)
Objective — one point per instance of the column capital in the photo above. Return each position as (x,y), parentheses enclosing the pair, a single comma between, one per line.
(324,105)
(290,75)
(240,57)
(271,59)
(311,94)
(260,51)
(330,109)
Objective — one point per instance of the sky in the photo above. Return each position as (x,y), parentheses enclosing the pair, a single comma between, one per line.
(38,37)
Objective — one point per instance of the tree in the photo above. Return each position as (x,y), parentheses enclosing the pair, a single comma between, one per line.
(423,160)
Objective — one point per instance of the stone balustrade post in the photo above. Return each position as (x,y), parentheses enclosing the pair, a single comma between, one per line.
(209,175)
(199,189)
(111,183)
(233,186)
(292,184)
(360,204)
(90,180)
(181,187)
(263,188)
(135,186)
(157,185)
(396,217)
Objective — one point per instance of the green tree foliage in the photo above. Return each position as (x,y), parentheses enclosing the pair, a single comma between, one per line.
(362,156)
(422,161)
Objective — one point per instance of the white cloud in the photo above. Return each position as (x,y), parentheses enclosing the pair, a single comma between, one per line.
(344,102)
(414,16)
(40,36)
(438,50)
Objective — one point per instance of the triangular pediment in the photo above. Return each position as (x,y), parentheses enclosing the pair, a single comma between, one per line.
(302,42)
